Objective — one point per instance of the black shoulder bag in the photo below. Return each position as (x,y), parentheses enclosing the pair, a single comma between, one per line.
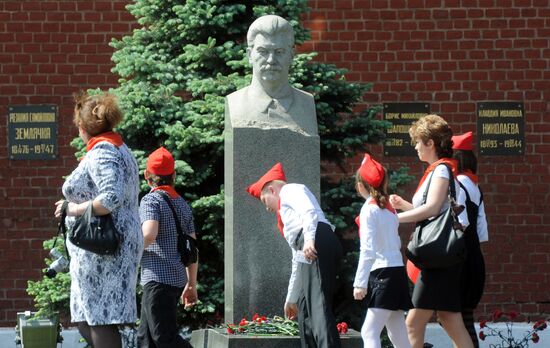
(97,235)
(438,242)
(187,245)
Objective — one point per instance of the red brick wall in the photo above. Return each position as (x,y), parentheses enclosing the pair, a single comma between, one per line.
(416,50)
(453,54)
(48,50)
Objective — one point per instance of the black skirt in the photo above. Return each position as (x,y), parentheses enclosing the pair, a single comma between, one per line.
(438,289)
(389,289)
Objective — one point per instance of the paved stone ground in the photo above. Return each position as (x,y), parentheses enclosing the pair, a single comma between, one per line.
(434,334)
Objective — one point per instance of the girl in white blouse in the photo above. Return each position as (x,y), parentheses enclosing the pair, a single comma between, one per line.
(381,275)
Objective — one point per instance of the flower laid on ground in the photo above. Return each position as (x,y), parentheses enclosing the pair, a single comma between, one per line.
(506,336)
(342,328)
(263,326)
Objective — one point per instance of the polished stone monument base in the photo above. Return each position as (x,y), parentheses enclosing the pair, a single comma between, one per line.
(216,338)
(257,258)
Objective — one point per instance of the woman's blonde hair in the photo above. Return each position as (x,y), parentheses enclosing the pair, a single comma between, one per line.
(96,114)
(434,127)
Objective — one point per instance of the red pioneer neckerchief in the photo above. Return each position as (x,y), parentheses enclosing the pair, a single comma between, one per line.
(471,175)
(448,161)
(168,189)
(280,223)
(110,137)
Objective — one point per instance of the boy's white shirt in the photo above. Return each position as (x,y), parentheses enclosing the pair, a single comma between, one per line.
(300,212)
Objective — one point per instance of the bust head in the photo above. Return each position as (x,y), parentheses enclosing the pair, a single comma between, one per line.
(270,48)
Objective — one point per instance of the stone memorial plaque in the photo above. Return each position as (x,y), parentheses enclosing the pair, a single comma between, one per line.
(32,132)
(500,128)
(402,115)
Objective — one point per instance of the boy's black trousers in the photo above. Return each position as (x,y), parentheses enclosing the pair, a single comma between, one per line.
(158,327)
(316,318)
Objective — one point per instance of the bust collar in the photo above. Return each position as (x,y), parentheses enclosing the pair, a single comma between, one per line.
(263,100)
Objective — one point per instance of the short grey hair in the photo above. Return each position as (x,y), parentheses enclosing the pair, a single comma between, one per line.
(270,25)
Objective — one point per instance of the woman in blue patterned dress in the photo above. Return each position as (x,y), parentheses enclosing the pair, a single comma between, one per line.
(103,287)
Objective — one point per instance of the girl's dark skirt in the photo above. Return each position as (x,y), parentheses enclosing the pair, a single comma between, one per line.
(389,289)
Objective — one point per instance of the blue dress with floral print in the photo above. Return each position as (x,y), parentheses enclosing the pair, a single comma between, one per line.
(103,288)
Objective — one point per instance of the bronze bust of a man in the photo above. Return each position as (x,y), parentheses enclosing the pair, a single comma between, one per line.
(270,101)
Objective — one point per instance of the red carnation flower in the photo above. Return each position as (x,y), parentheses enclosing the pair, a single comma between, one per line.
(255,317)
(497,314)
(482,324)
(482,335)
(535,337)
(243,322)
(342,327)
(513,315)
(230,330)
(540,325)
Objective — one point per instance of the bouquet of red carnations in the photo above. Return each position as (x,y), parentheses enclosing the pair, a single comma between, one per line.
(506,336)
(261,325)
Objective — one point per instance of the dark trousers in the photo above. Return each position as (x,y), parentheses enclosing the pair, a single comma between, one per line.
(315,317)
(158,327)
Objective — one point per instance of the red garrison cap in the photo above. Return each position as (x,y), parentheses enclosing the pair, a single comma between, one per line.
(275,173)
(371,171)
(160,162)
(463,142)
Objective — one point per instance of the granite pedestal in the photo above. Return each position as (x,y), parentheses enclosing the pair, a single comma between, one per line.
(217,338)
(257,257)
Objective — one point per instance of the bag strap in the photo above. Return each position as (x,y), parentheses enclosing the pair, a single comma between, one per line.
(480,195)
(62,229)
(452,188)
(465,191)
(468,195)
(167,199)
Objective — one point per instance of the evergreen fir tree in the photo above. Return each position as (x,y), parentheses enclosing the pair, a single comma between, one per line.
(175,73)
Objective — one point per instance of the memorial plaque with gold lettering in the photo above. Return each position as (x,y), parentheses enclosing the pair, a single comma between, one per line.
(402,115)
(32,132)
(500,128)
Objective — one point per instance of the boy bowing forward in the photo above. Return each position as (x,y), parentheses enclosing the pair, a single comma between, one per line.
(316,254)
